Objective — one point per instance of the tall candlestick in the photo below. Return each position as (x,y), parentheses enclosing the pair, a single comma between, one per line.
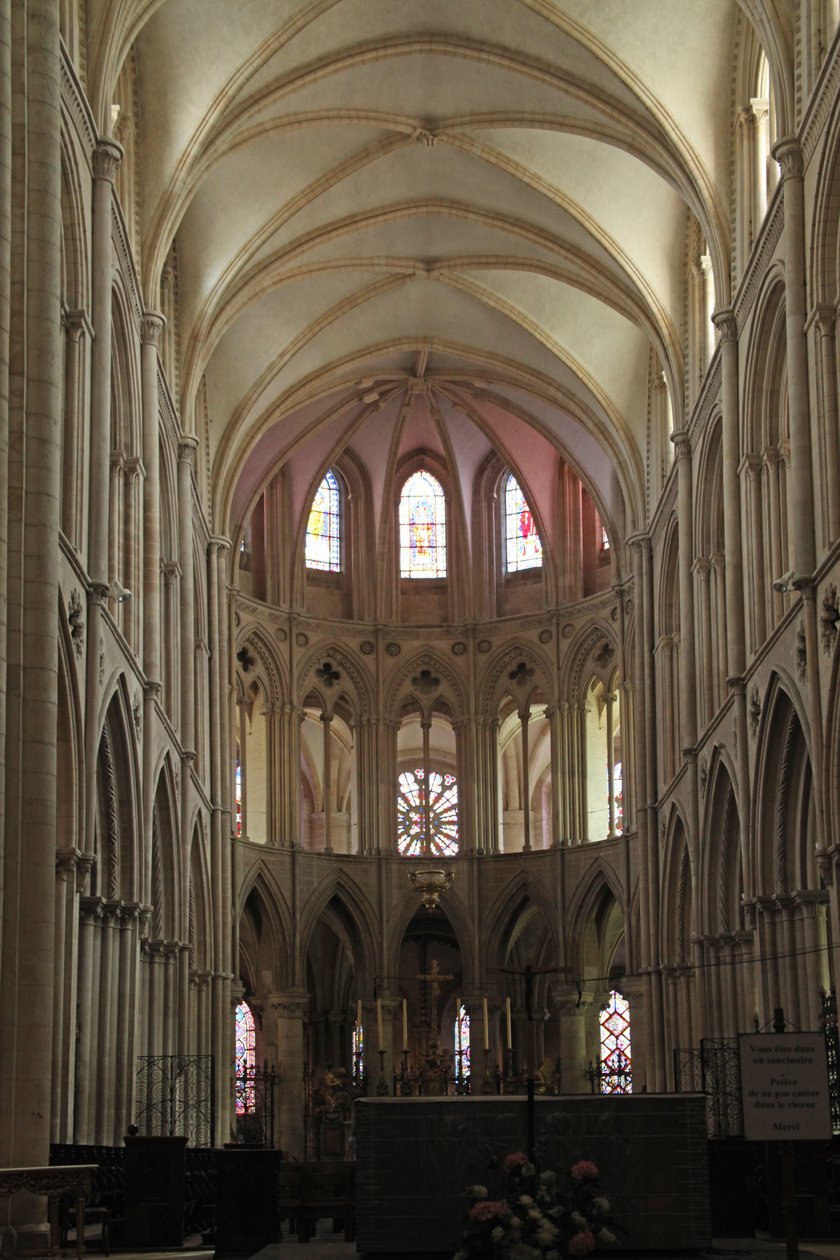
(486,1025)
(507,1020)
(359,1015)
(379,1023)
(405,1024)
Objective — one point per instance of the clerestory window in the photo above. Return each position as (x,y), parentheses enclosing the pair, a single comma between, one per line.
(323,532)
(422,527)
(523,548)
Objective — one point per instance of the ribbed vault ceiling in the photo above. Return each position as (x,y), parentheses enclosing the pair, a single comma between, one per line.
(456,224)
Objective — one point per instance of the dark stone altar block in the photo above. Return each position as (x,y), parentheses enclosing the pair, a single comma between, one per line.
(154,1191)
(248,1200)
(416,1156)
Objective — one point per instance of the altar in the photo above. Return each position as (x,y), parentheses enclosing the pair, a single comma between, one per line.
(415,1158)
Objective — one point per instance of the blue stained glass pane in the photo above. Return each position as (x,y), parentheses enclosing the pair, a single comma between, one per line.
(422,527)
(462,1044)
(245,1059)
(616,1053)
(323,532)
(523,545)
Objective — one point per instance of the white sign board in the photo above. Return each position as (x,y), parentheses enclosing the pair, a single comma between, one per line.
(784,1086)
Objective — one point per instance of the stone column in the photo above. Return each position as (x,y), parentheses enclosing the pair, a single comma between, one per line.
(28,839)
(688,667)
(824,319)
(524,720)
(186,462)
(573,1012)
(788,154)
(78,334)
(151,328)
(702,569)
(290,1009)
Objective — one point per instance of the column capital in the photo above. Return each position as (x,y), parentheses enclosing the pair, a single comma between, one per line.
(106,159)
(152,324)
(76,322)
(787,151)
(292,1005)
(682,444)
(726,323)
(219,543)
(639,540)
(187,447)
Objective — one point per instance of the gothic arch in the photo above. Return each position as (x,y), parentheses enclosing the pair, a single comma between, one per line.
(117,824)
(266,933)
(359,693)
(783,825)
(359,921)
(165,865)
(69,743)
(272,675)
(74,251)
(524,892)
(199,902)
(494,683)
(722,879)
(593,649)
(678,923)
(458,916)
(402,689)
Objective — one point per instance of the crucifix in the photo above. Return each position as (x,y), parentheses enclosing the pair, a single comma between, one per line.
(528,974)
(434,977)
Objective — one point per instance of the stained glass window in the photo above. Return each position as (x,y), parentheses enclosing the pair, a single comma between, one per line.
(462,1044)
(523,546)
(443,814)
(323,533)
(422,527)
(246,1059)
(238,795)
(605,539)
(358,1053)
(616,1060)
(618,797)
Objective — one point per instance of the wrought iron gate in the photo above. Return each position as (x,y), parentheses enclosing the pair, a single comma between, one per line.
(254,1095)
(175,1097)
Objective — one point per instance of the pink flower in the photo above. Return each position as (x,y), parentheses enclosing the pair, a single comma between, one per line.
(582,1169)
(516,1160)
(485,1210)
(581,1244)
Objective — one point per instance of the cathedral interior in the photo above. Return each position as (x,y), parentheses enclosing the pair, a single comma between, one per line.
(419,546)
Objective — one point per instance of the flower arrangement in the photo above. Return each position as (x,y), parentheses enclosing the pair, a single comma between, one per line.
(542,1216)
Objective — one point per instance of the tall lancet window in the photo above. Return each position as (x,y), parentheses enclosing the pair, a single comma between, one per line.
(616,1059)
(246,1059)
(358,1053)
(523,548)
(462,1045)
(323,532)
(422,527)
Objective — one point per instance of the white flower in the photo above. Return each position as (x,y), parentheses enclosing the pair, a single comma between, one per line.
(478,1192)
(602,1204)
(515,1222)
(526,1200)
(606,1235)
(578,1220)
(528,1170)
(546,1234)
(548,1176)
(535,1214)
(497,1234)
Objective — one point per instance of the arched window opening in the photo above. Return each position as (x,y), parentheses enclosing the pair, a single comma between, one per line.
(605,812)
(422,527)
(246,1060)
(323,532)
(417,797)
(618,799)
(616,1058)
(238,797)
(462,1045)
(523,548)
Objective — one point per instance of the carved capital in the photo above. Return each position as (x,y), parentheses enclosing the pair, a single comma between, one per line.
(788,153)
(682,445)
(152,324)
(106,160)
(187,447)
(726,324)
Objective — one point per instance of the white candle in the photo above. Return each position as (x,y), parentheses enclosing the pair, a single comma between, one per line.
(507,1020)
(359,1015)
(486,1025)
(405,1024)
(379,1023)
